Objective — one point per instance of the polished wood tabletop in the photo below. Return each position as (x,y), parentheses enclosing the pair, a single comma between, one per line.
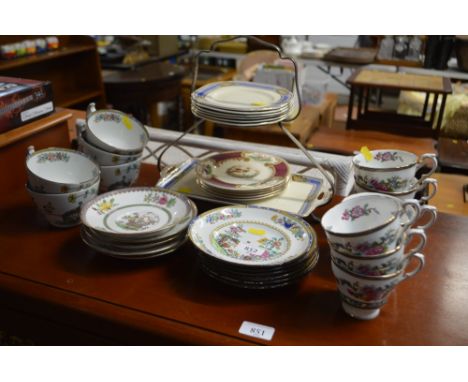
(50,280)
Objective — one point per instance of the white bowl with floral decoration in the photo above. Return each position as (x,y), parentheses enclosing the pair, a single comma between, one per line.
(390,170)
(58,170)
(371,262)
(114,131)
(363,296)
(251,235)
(369,220)
(102,157)
(119,176)
(63,210)
(135,213)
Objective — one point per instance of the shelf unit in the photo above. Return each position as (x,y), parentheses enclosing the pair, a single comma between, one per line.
(74,70)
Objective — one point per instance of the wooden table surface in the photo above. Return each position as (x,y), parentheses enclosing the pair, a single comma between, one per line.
(51,277)
(400,80)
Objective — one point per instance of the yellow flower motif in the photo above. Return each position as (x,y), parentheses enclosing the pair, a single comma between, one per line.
(105,206)
(72,198)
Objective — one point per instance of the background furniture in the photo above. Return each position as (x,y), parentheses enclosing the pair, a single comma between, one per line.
(453,155)
(364,81)
(74,70)
(138,91)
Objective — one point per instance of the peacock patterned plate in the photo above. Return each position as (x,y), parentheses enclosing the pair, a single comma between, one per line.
(136,212)
(243,171)
(252,235)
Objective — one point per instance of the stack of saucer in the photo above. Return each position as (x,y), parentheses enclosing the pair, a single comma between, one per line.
(116,142)
(393,173)
(239,103)
(243,176)
(254,247)
(137,223)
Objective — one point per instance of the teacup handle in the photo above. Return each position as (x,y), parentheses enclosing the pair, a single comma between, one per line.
(427,183)
(412,208)
(80,127)
(90,109)
(432,158)
(421,244)
(420,266)
(432,211)
(30,151)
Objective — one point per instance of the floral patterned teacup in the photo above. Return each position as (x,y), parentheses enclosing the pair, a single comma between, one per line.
(390,170)
(120,176)
(103,158)
(115,131)
(58,170)
(425,210)
(363,296)
(367,263)
(428,185)
(63,210)
(369,221)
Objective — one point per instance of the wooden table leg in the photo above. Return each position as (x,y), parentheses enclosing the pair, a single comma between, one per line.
(434,108)
(350,108)
(441,115)
(426,102)
(360,95)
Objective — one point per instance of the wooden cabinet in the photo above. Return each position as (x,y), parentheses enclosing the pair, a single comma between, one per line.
(74,70)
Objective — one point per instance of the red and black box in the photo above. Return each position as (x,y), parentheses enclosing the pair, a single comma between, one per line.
(23,101)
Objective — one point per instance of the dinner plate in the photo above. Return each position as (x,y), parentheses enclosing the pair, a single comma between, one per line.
(243,171)
(136,212)
(239,197)
(252,235)
(239,113)
(260,284)
(151,239)
(226,122)
(130,254)
(241,95)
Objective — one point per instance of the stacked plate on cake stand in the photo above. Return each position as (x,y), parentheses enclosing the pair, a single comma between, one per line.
(243,176)
(244,104)
(254,247)
(137,223)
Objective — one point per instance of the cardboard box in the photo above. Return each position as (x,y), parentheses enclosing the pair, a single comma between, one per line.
(23,101)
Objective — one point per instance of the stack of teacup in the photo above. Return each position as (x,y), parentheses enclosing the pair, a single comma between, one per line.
(373,245)
(393,173)
(60,181)
(116,142)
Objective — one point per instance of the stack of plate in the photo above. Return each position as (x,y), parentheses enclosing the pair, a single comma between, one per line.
(243,176)
(137,223)
(254,247)
(239,103)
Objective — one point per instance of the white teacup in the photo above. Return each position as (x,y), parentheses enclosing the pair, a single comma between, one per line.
(63,210)
(57,170)
(424,210)
(114,131)
(119,176)
(363,296)
(370,219)
(103,158)
(429,185)
(390,170)
(366,263)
